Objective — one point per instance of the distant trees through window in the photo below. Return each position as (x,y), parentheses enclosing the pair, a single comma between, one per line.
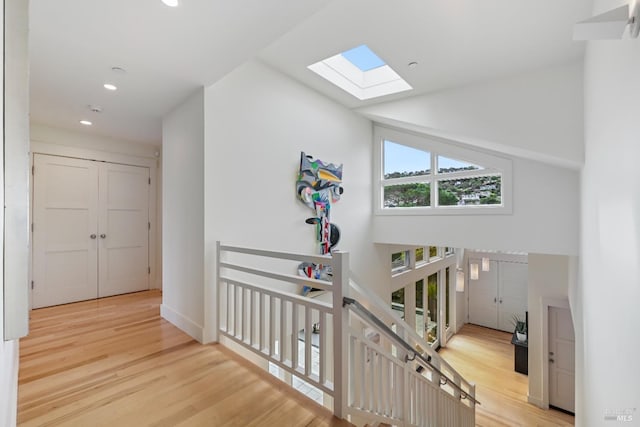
(409,181)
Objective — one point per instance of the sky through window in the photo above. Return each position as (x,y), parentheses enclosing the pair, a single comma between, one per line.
(363,58)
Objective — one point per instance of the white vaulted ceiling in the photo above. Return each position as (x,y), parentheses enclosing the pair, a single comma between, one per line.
(169,52)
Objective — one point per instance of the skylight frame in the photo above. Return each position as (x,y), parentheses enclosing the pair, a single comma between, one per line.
(376,82)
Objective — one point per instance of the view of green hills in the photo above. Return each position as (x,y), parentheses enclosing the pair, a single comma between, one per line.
(480,190)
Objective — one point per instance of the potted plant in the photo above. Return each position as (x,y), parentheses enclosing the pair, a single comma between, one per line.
(520,328)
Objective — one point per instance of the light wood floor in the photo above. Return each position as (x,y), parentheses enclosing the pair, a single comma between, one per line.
(115,362)
(485,357)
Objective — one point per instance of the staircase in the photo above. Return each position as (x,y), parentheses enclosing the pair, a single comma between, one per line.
(370,366)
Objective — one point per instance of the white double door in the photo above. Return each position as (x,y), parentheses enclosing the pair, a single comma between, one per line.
(90,229)
(498,295)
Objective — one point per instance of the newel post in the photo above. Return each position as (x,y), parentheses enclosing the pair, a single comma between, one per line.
(340,266)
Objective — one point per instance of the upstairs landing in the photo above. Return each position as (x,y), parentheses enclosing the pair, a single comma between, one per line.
(116,362)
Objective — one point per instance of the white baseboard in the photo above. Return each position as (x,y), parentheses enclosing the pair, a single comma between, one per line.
(537,401)
(181,322)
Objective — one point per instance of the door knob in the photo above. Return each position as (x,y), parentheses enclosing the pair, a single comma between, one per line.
(551,361)
(102,236)
(93,236)
(551,353)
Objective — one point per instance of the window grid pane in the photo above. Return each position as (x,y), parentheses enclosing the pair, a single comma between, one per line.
(420,323)
(480,190)
(448,165)
(407,195)
(401,161)
(399,260)
(431,325)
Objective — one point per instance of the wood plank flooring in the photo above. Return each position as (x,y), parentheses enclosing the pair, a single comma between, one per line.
(116,362)
(485,357)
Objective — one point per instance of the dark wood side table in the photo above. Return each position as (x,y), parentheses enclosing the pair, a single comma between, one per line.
(521,355)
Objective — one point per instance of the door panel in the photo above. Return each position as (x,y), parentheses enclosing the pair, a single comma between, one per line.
(65,216)
(124,218)
(561,359)
(512,293)
(483,296)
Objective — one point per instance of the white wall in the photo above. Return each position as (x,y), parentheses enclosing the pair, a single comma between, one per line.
(183,215)
(257,123)
(548,285)
(610,246)
(86,141)
(63,142)
(8,349)
(16,172)
(544,220)
(536,115)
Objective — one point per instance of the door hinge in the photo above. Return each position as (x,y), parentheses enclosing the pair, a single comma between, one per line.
(33,170)
(32,284)
(149,226)
(32,227)
(149,270)
(149,181)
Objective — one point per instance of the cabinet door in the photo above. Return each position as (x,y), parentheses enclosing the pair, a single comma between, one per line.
(65,218)
(512,293)
(483,294)
(124,229)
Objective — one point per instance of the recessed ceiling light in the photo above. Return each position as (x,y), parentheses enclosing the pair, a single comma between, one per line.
(109,86)
(119,70)
(413,64)
(170,3)
(85,122)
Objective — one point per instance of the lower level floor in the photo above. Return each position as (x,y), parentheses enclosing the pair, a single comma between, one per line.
(485,357)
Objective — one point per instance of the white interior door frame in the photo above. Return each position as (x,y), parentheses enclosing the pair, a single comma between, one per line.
(149,160)
(544,315)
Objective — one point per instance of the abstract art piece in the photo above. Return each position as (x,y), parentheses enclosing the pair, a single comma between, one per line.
(318,187)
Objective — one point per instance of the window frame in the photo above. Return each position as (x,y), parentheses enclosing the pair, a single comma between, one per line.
(406,265)
(492,165)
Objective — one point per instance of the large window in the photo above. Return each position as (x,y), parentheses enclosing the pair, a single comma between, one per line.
(427,175)
(423,297)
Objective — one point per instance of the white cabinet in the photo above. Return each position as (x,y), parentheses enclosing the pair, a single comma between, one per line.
(498,294)
(90,229)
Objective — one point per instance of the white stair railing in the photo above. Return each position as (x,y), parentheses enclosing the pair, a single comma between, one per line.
(368,370)
(262,311)
(392,383)
(383,311)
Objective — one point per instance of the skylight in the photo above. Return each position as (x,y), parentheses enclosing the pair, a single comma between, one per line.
(360,72)
(363,58)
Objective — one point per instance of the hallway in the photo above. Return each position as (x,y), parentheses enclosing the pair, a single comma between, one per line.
(116,362)
(485,357)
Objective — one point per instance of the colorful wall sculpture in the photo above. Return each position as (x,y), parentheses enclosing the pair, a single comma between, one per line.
(318,187)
